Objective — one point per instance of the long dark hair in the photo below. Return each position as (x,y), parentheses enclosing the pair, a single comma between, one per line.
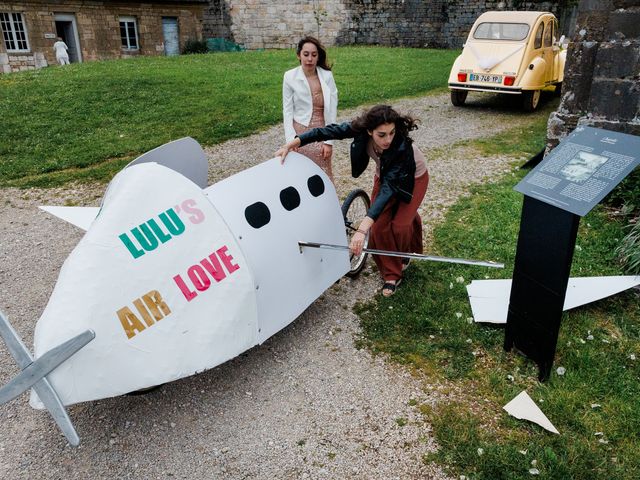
(322,52)
(376,116)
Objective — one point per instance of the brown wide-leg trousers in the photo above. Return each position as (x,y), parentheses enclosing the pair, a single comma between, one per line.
(398,228)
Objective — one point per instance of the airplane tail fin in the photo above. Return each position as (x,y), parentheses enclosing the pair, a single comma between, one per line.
(33,374)
(184,156)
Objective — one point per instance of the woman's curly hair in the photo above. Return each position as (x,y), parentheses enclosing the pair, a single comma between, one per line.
(380,114)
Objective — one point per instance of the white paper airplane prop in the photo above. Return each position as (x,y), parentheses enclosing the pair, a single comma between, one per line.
(172,279)
(489,299)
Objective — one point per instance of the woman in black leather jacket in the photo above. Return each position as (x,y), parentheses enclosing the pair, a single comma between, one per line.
(400,183)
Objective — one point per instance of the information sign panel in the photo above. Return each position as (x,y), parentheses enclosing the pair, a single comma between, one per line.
(583,169)
(568,183)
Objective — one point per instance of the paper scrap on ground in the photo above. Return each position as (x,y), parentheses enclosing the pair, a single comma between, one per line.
(524,408)
(490,298)
(81,217)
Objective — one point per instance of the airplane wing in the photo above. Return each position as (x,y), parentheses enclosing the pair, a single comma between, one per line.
(489,299)
(81,217)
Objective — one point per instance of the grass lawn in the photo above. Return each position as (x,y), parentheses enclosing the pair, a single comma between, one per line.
(428,326)
(86,121)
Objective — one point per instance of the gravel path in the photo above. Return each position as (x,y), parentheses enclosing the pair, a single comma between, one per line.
(306,404)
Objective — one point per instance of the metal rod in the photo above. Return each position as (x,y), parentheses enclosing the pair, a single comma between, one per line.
(417,256)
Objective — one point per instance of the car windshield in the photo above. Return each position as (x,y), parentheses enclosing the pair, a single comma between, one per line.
(501,31)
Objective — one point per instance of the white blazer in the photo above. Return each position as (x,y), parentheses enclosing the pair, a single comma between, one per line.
(297,103)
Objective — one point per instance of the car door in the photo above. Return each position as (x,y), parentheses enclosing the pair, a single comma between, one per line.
(555,74)
(547,50)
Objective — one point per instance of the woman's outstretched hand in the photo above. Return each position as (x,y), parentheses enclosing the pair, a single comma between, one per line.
(286,148)
(357,243)
(327,151)
(357,240)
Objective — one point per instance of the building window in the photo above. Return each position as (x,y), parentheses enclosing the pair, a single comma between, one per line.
(14,32)
(129,33)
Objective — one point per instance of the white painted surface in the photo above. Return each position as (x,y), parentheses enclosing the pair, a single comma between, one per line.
(101,277)
(287,280)
(524,408)
(81,217)
(489,299)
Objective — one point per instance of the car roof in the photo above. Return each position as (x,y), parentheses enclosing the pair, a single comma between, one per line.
(511,17)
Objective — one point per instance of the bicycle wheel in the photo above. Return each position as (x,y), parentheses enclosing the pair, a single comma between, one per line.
(354,209)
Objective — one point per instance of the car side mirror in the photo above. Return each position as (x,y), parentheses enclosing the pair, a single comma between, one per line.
(563,42)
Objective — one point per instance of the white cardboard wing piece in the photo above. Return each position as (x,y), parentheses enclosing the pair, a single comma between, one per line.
(489,299)
(174,280)
(81,217)
(524,408)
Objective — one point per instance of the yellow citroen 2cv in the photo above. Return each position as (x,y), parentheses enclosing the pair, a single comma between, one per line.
(510,52)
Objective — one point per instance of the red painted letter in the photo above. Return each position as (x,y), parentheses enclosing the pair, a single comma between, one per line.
(213,267)
(199,278)
(188,294)
(226,259)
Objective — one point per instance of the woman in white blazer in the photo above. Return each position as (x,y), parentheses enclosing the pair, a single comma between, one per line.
(310,99)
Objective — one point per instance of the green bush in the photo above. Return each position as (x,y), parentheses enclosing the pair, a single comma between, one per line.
(626,196)
(195,46)
(629,250)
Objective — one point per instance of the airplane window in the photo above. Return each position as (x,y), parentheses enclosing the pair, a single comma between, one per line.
(257,214)
(316,185)
(290,198)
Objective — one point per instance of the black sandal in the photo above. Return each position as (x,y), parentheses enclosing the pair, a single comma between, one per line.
(391,287)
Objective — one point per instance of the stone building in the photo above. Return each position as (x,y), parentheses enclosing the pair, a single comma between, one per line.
(602,76)
(94,30)
(408,23)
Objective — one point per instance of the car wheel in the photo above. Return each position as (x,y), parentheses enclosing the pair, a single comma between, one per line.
(530,100)
(354,209)
(458,97)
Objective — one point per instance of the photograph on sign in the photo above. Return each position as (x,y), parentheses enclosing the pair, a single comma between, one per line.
(582,166)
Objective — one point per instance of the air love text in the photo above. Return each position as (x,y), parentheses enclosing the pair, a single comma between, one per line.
(151,307)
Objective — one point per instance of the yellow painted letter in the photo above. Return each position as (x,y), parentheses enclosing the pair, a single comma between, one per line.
(130,322)
(155,303)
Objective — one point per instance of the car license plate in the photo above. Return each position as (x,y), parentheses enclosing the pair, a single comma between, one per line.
(478,77)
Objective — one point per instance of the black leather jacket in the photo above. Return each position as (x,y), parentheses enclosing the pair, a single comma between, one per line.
(397,164)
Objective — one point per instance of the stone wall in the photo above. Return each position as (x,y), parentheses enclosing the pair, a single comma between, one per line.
(217,20)
(410,23)
(602,76)
(98,28)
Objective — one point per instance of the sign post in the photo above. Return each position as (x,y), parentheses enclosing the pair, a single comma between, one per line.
(565,186)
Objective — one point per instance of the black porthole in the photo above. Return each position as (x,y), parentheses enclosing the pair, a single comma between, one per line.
(257,214)
(290,198)
(316,185)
